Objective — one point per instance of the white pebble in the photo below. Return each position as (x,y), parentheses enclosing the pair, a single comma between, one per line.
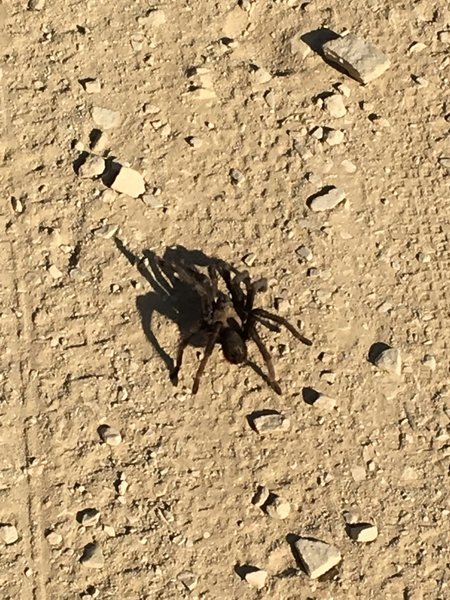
(8,533)
(335,106)
(257,579)
(106,118)
(109,435)
(129,182)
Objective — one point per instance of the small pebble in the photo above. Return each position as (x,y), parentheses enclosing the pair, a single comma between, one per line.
(317,133)
(390,361)
(358,473)
(189,580)
(54,539)
(335,106)
(92,167)
(328,376)
(422,257)
(327,199)
(362,532)
(109,435)
(9,534)
(89,517)
(129,182)
(429,362)
(261,496)
(278,507)
(257,579)
(99,140)
(106,118)
(261,76)
(444,36)
(36,4)
(343,89)
(304,253)
(348,166)
(195,142)
(237,178)
(155,18)
(272,422)
(445,163)
(17,205)
(317,557)
(324,402)
(54,272)
(92,556)
(334,137)
(416,47)
(92,86)
(107,231)
(249,259)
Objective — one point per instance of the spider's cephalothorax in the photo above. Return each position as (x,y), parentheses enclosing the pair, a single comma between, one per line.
(229,318)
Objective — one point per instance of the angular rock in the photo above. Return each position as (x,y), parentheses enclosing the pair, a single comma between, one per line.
(202,93)
(324,402)
(106,118)
(155,18)
(53,538)
(445,163)
(271,422)
(334,137)
(189,580)
(335,106)
(261,496)
(54,272)
(92,86)
(277,507)
(88,517)
(129,182)
(348,166)
(109,435)
(327,199)
(390,361)
(8,533)
(317,557)
(257,579)
(361,59)
(304,253)
(429,362)
(93,166)
(92,556)
(362,532)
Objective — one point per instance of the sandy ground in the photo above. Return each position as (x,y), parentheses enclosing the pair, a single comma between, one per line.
(80,324)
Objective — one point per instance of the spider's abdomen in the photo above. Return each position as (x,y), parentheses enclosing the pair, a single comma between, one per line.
(233,346)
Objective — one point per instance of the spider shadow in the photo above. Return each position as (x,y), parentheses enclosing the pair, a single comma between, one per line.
(170,296)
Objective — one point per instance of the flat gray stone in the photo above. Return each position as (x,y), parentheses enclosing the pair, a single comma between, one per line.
(93,166)
(273,422)
(361,59)
(327,200)
(317,557)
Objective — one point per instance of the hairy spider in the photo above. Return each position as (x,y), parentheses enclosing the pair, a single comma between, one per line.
(228,318)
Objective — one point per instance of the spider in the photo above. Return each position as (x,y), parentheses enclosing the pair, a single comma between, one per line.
(228,319)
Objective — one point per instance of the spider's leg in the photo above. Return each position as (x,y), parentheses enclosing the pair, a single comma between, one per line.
(235,291)
(198,281)
(184,341)
(267,359)
(208,351)
(282,321)
(213,276)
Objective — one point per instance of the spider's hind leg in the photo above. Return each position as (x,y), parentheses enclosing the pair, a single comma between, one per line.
(260,312)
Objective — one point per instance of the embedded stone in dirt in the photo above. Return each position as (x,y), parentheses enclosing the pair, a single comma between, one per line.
(92,86)
(304,253)
(335,106)
(106,118)
(109,435)
(92,167)
(257,579)
(92,556)
(88,517)
(348,166)
(54,272)
(261,496)
(324,402)
(362,532)
(8,533)
(360,58)
(317,557)
(334,137)
(390,361)
(327,199)
(53,538)
(129,182)
(270,422)
(277,507)
(237,177)
(189,580)
(429,362)
(155,18)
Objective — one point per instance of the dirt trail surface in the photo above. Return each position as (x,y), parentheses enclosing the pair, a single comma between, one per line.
(224,111)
